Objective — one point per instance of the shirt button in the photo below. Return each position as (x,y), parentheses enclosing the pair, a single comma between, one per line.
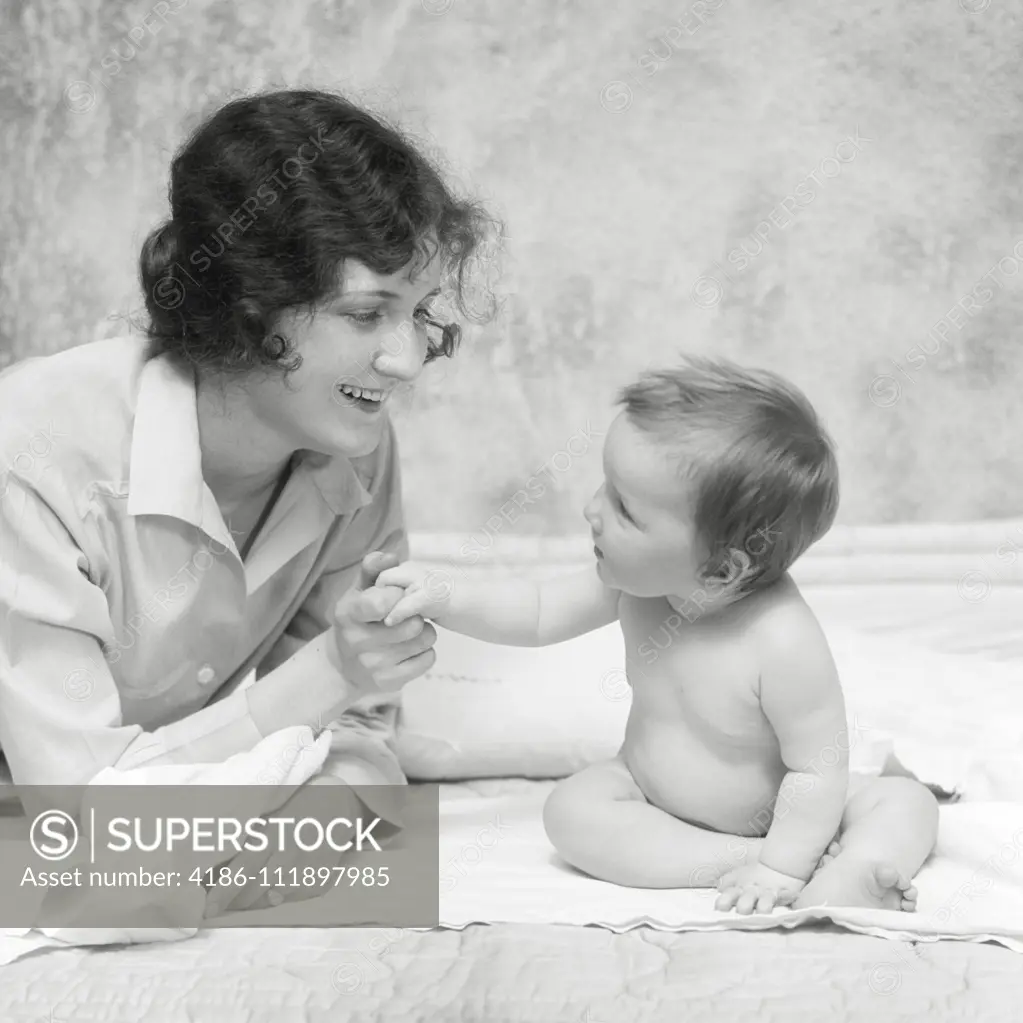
(205,675)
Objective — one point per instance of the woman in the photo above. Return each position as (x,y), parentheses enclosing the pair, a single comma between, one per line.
(179,513)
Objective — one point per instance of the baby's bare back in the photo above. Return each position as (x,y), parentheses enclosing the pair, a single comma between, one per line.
(697,742)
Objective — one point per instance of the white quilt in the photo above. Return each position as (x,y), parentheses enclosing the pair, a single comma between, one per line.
(497,866)
(956,721)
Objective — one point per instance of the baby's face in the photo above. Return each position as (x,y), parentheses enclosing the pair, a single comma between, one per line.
(644,538)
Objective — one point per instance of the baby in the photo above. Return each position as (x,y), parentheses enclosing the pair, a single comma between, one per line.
(734,768)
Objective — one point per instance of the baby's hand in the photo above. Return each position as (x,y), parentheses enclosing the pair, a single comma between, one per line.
(427,591)
(756,888)
(381,599)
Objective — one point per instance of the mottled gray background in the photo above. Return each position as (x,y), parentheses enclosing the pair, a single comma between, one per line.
(632,150)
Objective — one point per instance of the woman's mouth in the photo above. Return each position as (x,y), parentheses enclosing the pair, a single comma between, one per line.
(363,398)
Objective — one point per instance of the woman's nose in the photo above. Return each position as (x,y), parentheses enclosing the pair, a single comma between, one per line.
(401,356)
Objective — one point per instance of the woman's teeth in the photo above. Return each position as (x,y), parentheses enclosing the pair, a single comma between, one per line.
(362,392)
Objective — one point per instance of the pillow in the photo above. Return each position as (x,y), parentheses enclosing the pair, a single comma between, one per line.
(488,711)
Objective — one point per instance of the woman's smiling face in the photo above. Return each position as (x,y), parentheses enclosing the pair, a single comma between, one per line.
(357,350)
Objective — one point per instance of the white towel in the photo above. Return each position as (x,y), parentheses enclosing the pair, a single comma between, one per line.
(497,866)
(284,759)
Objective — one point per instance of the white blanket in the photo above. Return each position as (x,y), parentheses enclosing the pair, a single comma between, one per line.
(287,758)
(497,865)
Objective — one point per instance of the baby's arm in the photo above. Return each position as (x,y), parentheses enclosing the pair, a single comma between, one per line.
(802,699)
(514,612)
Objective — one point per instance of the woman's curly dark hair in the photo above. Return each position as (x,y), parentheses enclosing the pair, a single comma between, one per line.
(268,198)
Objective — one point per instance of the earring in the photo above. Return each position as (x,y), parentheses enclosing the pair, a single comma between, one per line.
(276,345)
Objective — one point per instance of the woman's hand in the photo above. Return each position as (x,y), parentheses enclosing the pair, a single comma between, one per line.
(372,655)
(426,592)
(755,888)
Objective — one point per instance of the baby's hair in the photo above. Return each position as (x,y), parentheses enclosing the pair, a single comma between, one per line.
(763,468)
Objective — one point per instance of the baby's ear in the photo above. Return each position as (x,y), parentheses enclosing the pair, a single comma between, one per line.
(725,572)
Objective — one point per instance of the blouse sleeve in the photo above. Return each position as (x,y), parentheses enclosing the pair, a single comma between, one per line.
(60,709)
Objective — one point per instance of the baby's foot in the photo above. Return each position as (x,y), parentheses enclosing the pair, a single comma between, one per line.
(854,881)
(832,851)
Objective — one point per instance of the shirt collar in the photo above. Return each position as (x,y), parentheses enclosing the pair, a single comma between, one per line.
(165,476)
(339,481)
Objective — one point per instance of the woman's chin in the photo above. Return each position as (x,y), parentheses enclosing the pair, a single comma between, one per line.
(360,450)
(358,442)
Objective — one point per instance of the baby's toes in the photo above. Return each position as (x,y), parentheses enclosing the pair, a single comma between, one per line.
(825,859)
(909,899)
(888,877)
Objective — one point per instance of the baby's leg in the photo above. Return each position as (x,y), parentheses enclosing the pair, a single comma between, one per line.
(600,822)
(888,830)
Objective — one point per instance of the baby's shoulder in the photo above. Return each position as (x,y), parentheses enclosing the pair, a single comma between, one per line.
(782,624)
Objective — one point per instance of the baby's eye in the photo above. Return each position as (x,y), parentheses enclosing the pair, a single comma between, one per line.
(624,511)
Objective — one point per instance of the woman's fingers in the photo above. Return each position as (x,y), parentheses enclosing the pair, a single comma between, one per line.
(376,635)
(381,660)
(375,561)
(419,644)
(392,679)
(413,603)
(379,650)
(373,604)
(401,575)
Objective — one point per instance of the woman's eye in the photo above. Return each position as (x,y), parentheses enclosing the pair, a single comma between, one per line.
(440,341)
